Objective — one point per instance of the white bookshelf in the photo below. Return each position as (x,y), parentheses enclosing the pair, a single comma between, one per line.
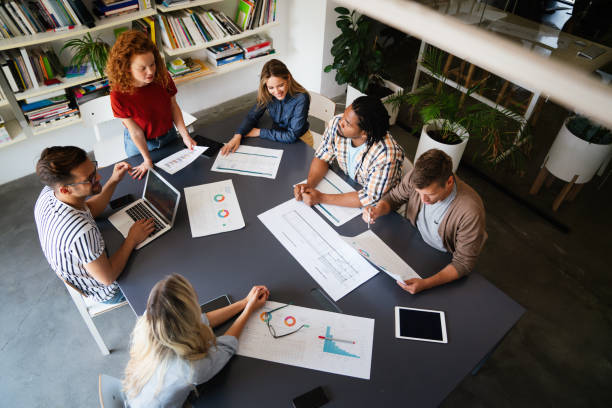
(66,83)
(15,131)
(185,50)
(58,124)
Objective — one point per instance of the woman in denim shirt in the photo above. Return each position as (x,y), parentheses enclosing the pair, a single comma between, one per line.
(287,103)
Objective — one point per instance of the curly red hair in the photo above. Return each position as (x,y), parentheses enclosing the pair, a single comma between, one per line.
(128,44)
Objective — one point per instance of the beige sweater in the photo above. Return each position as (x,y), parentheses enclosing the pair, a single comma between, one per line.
(463,227)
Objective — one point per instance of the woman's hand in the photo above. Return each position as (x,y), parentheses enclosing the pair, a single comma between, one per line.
(189,142)
(256,298)
(139,171)
(232,145)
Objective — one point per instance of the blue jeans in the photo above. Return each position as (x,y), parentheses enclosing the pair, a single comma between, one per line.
(152,144)
(118,298)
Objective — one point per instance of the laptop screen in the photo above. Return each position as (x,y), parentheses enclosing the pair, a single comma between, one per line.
(159,194)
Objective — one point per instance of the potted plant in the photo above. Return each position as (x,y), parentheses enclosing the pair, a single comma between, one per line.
(358,60)
(449,122)
(580,149)
(88,49)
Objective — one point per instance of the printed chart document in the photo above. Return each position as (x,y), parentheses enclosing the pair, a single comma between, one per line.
(331,342)
(213,208)
(250,161)
(374,249)
(180,159)
(331,262)
(333,184)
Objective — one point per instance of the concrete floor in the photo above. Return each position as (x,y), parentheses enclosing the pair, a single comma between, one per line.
(558,354)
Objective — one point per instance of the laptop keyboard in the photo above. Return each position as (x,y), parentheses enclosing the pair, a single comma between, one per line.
(139,212)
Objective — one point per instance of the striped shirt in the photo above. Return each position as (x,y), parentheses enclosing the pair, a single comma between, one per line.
(70,239)
(379,168)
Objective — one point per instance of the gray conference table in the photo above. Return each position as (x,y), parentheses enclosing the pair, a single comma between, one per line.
(403,372)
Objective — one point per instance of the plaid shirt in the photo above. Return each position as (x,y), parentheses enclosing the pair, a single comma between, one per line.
(379,168)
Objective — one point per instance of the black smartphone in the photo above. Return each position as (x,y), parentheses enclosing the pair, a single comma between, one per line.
(312,399)
(216,303)
(213,146)
(121,201)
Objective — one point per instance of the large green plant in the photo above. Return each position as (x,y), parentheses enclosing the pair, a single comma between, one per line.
(501,131)
(357,59)
(89,49)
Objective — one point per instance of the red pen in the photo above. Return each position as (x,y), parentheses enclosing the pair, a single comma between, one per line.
(334,339)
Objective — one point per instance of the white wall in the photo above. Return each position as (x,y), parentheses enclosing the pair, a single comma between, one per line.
(302,40)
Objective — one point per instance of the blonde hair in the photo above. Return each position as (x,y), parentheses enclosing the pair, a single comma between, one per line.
(171,327)
(129,44)
(275,68)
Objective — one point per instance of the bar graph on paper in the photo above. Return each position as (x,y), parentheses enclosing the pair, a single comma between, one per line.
(333,354)
(331,262)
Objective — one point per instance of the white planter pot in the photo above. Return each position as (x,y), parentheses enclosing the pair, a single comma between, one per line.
(454,151)
(353,93)
(570,156)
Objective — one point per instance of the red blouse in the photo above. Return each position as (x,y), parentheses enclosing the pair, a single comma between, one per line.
(149,106)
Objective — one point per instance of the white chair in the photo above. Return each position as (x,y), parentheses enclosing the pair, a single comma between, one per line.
(321,108)
(110,392)
(89,309)
(406,168)
(109,149)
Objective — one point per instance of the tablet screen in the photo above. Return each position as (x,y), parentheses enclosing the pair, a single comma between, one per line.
(419,324)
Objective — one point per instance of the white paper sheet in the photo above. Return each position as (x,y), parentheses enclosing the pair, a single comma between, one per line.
(333,184)
(304,348)
(331,262)
(250,161)
(374,249)
(180,159)
(213,208)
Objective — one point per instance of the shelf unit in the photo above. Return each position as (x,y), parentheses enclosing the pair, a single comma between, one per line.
(19,129)
(179,51)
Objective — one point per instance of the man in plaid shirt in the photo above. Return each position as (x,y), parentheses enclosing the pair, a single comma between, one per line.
(360,141)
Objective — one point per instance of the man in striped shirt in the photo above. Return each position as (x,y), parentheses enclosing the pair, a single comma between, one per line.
(69,236)
(360,141)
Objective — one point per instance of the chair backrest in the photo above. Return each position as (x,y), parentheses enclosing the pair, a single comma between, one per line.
(321,107)
(95,112)
(110,392)
(406,166)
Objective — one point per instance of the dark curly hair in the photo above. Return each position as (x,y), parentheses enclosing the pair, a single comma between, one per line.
(56,163)
(128,44)
(373,118)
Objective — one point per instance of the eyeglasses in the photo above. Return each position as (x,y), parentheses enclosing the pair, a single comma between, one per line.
(92,177)
(268,317)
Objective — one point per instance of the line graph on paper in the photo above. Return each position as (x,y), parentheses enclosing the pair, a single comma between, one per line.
(331,262)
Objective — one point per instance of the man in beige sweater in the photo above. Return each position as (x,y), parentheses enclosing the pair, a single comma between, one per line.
(448,213)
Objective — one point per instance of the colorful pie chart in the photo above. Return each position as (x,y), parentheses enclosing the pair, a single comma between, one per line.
(364,253)
(223,213)
(289,321)
(219,197)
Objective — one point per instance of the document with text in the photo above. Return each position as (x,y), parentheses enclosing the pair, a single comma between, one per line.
(250,161)
(331,261)
(180,159)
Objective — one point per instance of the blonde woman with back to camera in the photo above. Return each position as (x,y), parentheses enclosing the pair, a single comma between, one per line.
(173,347)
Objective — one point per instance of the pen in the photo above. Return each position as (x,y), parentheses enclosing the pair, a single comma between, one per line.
(334,339)
(369,215)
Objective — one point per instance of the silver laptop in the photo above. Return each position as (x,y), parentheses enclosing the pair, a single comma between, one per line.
(159,201)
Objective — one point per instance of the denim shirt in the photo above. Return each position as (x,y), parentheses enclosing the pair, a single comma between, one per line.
(290,118)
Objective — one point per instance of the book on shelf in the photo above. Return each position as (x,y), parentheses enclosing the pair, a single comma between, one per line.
(168,3)
(149,26)
(255,13)
(113,9)
(255,46)
(46,111)
(224,50)
(218,62)
(194,26)
(86,92)
(19,18)
(28,69)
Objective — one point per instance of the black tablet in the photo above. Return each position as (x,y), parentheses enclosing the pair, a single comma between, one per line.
(213,146)
(420,324)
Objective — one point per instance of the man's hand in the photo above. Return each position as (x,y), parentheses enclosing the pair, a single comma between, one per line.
(311,196)
(119,171)
(232,145)
(298,189)
(256,298)
(414,285)
(372,213)
(189,142)
(139,171)
(140,231)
